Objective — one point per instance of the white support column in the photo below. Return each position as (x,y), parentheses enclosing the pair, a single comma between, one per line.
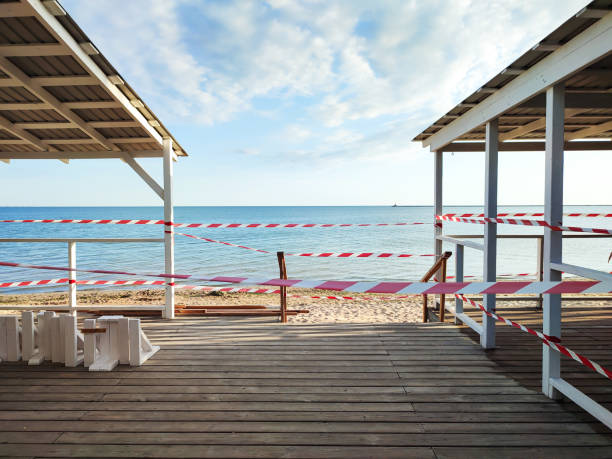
(553,214)
(459,252)
(438,201)
(72,288)
(168,229)
(487,338)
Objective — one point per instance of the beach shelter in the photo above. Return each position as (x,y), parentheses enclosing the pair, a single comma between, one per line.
(556,97)
(61,99)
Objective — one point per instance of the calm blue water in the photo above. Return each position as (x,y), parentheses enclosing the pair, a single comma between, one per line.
(198,257)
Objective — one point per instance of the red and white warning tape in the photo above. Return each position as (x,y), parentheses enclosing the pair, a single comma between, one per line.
(409,288)
(205,288)
(551,341)
(508,321)
(211,225)
(34,282)
(532,214)
(321,254)
(511,221)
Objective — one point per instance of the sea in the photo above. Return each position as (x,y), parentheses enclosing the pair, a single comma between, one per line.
(209,259)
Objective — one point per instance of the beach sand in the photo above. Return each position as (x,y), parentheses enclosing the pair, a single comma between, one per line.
(405,310)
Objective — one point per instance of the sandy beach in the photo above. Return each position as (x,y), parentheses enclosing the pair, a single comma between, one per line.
(406,310)
(371,311)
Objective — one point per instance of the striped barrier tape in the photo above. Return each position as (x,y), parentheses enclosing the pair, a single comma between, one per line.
(410,288)
(321,254)
(532,214)
(508,321)
(34,282)
(210,225)
(205,288)
(551,341)
(281,225)
(511,221)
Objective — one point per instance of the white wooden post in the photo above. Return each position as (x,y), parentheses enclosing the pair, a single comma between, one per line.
(70,340)
(13,352)
(459,278)
(438,208)
(553,214)
(27,335)
(47,338)
(72,288)
(487,337)
(168,228)
(124,340)
(90,343)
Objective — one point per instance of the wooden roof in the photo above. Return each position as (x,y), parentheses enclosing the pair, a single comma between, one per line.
(588,92)
(60,97)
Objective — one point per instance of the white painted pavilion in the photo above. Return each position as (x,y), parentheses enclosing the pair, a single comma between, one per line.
(61,99)
(555,97)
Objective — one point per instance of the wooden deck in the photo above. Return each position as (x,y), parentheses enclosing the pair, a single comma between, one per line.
(250,388)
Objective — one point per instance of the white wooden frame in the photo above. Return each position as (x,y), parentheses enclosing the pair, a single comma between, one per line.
(548,75)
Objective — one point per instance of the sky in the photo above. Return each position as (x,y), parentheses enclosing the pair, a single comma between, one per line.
(308,102)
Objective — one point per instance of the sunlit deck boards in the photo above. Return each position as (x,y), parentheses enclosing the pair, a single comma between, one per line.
(248,388)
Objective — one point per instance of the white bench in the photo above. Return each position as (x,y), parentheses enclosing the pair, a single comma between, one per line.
(53,337)
(111,340)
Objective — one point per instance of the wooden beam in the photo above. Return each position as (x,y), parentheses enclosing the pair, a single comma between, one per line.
(102,154)
(34,49)
(575,145)
(594,13)
(584,101)
(583,133)
(24,106)
(24,135)
(92,104)
(75,80)
(46,125)
(68,125)
(56,28)
(581,51)
(122,140)
(15,10)
(533,126)
(11,69)
(130,161)
(114,124)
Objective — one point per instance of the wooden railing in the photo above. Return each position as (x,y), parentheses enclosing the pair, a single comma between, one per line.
(438,266)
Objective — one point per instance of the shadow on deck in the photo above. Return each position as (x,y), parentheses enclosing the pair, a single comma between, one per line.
(249,388)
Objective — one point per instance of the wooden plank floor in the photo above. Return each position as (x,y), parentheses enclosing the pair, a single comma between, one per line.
(251,388)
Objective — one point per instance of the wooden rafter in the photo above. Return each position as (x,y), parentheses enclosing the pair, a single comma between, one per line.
(68,124)
(15,72)
(22,134)
(592,130)
(54,27)
(533,126)
(38,49)
(7,155)
(76,80)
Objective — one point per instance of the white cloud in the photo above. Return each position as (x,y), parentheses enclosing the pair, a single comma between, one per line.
(351,60)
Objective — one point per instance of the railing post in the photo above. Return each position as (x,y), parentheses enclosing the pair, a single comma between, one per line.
(458,278)
(438,202)
(72,287)
(168,227)
(487,338)
(283,290)
(553,214)
(540,240)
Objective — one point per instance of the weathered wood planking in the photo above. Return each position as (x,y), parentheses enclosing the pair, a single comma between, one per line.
(252,388)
